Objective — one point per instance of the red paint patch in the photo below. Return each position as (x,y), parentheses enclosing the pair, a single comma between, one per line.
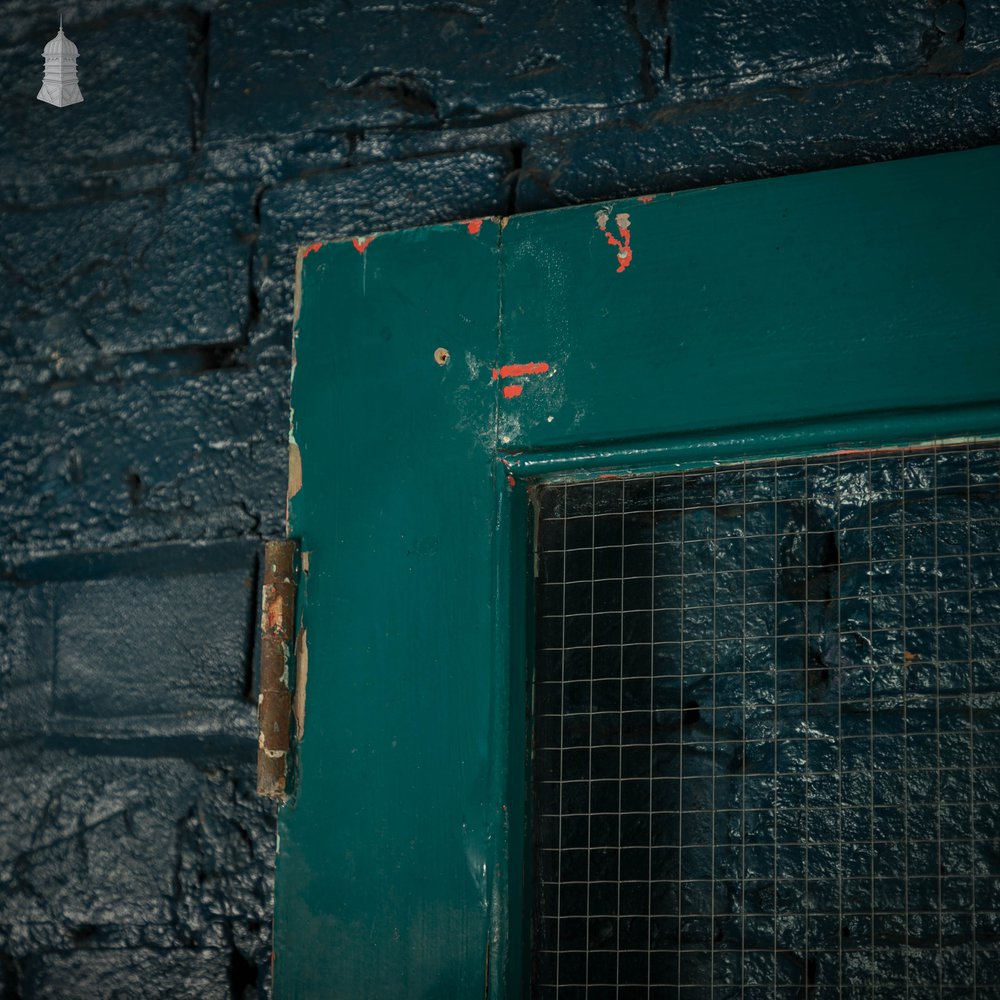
(510,482)
(510,391)
(513,371)
(312,248)
(474,225)
(646,198)
(624,249)
(361,242)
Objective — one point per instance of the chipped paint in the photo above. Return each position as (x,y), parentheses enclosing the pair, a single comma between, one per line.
(361,243)
(515,371)
(301,677)
(934,443)
(646,198)
(473,225)
(624,238)
(312,248)
(297,300)
(510,391)
(294,468)
(294,473)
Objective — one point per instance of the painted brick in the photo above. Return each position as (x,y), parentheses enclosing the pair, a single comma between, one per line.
(97,466)
(136,109)
(26,662)
(157,644)
(196,680)
(139,974)
(268,160)
(292,66)
(90,822)
(652,23)
(22,19)
(371,199)
(752,136)
(192,849)
(159,271)
(736,43)
(981,33)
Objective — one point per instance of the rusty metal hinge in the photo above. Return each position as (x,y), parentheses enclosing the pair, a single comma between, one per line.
(274,702)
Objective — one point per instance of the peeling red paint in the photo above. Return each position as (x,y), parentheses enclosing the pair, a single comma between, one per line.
(622,241)
(646,198)
(312,248)
(361,242)
(474,225)
(510,391)
(513,371)
(510,482)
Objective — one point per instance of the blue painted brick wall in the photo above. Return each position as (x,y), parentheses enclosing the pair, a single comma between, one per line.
(147,244)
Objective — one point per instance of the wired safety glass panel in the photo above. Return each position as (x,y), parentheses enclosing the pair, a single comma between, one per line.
(766,747)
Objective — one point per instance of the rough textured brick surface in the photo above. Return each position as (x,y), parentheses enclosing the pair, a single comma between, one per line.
(27,661)
(292,66)
(755,43)
(754,135)
(137,124)
(129,824)
(149,460)
(157,271)
(147,243)
(139,973)
(127,858)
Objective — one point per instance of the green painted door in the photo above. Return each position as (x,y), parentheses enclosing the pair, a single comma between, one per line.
(439,373)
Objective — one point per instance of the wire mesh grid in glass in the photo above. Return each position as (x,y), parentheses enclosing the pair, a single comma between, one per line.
(766,731)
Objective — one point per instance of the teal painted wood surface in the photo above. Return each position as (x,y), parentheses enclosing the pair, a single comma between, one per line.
(798,299)
(387,853)
(844,309)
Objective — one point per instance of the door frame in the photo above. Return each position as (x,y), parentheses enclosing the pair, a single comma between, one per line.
(439,373)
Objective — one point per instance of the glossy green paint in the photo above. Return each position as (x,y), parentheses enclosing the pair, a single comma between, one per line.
(388,851)
(844,309)
(794,300)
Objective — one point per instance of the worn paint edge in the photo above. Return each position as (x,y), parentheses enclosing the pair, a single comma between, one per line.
(300,256)
(301,679)
(294,472)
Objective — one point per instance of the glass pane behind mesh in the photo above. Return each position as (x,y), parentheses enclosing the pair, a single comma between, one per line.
(767,731)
